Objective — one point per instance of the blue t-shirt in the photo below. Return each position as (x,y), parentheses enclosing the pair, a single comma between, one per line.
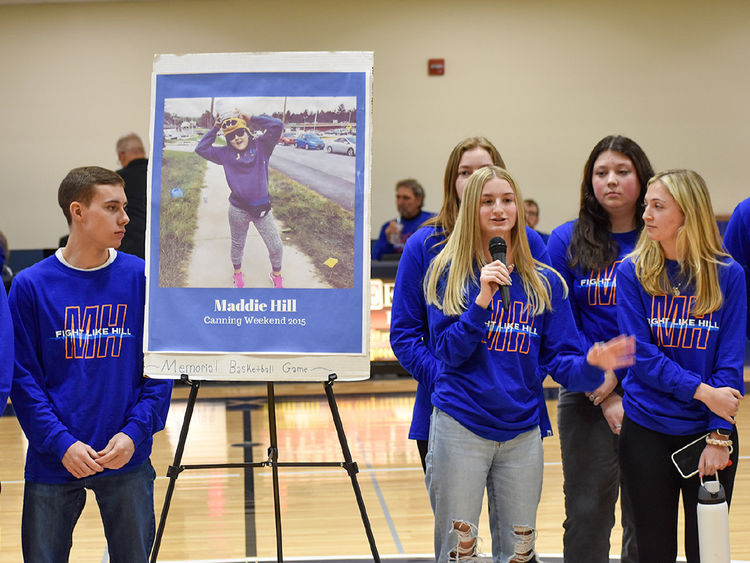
(676,351)
(79,362)
(492,360)
(6,350)
(592,293)
(409,332)
(737,241)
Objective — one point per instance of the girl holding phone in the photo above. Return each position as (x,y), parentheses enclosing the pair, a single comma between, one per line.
(683,298)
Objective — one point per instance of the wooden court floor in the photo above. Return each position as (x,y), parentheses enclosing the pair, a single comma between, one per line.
(225,515)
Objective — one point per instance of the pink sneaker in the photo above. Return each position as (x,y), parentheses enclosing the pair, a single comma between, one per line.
(238,281)
(276,281)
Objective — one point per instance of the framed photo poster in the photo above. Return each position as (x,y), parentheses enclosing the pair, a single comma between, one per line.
(258,242)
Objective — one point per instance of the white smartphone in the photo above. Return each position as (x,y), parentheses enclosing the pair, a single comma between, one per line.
(686,459)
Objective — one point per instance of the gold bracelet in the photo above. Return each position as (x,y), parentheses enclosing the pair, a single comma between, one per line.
(716,442)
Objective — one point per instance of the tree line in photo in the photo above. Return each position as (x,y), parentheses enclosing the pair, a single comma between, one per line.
(340,115)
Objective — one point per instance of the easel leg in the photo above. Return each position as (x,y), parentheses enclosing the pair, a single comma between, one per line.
(273,458)
(251,547)
(351,467)
(174,470)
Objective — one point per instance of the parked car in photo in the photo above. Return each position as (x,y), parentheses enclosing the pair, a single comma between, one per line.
(287,139)
(343,145)
(309,141)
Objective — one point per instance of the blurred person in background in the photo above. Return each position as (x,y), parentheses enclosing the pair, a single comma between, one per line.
(5,271)
(134,171)
(737,242)
(531,208)
(132,157)
(395,233)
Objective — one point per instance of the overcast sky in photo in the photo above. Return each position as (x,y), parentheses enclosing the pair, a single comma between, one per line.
(195,107)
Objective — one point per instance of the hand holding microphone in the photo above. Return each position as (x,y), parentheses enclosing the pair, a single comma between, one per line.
(494,276)
(498,250)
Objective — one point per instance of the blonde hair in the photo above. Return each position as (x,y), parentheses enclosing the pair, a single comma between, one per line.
(463,253)
(446,217)
(698,244)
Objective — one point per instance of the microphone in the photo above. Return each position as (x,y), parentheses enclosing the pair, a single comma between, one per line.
(498,248)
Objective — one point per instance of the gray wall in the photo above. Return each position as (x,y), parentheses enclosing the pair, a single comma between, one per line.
(543,79)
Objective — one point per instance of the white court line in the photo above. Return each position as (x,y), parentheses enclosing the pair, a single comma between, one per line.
(381,499)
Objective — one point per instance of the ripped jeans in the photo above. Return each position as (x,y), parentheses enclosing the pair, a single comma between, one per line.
(460,465)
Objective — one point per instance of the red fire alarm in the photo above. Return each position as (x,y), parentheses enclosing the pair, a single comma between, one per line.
(436,67)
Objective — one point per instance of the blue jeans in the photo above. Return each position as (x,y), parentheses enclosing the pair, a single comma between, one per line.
(460,465)
(591,471)
(126,504)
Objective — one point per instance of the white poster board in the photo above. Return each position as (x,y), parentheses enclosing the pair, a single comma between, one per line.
(227,131)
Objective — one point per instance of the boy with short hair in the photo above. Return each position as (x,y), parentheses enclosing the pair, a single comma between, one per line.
(79,391)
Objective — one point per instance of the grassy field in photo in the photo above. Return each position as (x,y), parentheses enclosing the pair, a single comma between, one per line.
(317,226)
(179,216)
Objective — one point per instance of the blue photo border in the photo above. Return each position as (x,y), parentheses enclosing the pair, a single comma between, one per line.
(328,321)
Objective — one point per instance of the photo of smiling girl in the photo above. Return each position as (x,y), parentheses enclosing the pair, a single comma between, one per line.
(250,142)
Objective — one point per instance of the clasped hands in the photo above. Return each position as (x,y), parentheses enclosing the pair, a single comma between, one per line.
(81,460)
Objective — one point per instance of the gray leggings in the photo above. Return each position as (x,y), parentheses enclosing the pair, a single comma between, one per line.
(239,222)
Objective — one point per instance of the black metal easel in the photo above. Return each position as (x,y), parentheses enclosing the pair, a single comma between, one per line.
(273,454)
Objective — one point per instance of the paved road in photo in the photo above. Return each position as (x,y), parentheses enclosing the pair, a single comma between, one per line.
(210,263)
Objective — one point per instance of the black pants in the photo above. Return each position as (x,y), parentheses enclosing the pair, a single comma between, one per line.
(655,487)
(591,472)
(422,447)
